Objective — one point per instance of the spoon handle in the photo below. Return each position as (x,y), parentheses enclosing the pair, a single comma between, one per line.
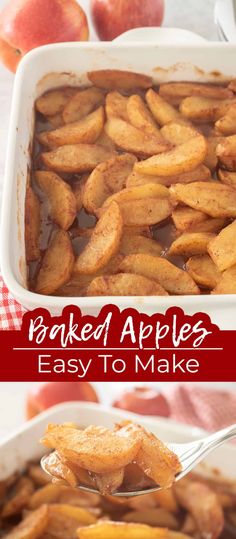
(218,438)
(194,452)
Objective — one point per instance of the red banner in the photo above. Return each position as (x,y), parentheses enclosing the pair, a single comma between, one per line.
(117,345)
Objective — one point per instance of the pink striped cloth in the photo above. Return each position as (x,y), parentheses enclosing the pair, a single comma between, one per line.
(201,406)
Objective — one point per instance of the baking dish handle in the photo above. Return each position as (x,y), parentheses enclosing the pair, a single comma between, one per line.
(160,36)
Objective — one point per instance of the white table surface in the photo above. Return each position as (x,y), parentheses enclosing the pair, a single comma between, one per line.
(195,15)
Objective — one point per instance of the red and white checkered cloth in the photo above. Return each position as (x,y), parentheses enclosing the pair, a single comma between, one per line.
(11,312)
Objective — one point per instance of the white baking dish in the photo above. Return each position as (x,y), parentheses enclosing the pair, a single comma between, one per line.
(23,445)
(54,65)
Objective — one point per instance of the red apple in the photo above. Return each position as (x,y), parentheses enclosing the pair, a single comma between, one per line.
(144,401)
(46,394)
(26,24)
(113,17)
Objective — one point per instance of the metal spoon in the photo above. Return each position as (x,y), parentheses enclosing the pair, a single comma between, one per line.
(189,455)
